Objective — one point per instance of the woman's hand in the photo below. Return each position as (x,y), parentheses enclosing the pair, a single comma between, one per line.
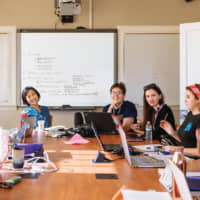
(136,128)
(167,127)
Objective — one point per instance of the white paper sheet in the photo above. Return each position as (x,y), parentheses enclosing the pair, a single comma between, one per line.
(180,181)
(149,147)
(144,195)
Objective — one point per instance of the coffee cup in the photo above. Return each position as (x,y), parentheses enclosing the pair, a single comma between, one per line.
(18,157)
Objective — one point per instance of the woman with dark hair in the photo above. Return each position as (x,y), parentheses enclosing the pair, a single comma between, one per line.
(125,110)
(189,132)
(31,97)
(155,110)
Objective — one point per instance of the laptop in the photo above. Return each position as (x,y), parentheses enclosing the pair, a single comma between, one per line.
(102,121)
(105,147)
(135,161)
(30,121)
(21,133)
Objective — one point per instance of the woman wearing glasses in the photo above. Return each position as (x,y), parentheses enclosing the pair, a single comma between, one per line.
(155,110)
(125,110)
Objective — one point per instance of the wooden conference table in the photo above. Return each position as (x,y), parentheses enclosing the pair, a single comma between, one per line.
(75,179)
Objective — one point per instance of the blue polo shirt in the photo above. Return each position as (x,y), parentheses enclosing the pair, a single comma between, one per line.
(127,109)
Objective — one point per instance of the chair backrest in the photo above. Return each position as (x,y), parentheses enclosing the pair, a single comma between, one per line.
(78,119)
(50,120)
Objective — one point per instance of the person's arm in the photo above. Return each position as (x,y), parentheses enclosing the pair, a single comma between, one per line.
(130,116)
(137,129)
(194,151)
(127,123)
(110,108)
(165,125)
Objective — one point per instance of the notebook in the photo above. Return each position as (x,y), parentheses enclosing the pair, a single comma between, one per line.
(102,121)
(193,183)
(135,161)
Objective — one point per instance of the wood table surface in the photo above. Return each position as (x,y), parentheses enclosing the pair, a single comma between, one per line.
(75,178)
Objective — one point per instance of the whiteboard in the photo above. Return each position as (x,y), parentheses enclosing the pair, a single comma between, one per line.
(151,58)
(68,68)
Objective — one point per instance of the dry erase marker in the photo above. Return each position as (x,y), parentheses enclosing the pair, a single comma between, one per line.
(166,116)
(13,180)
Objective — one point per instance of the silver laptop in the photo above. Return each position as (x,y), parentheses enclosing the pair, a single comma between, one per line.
(21,133)
(30,121)
(135,161)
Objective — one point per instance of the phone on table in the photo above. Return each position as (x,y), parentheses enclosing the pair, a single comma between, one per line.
(29,175)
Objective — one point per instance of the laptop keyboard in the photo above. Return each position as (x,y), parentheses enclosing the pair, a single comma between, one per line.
(146,161)
(111,147)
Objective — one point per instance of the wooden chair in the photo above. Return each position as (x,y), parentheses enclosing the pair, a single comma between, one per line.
(50,120)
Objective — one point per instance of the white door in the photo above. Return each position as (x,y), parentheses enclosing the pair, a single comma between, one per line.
(189,59)
(7,66)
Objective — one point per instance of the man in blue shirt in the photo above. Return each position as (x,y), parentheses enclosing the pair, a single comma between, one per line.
(125,110)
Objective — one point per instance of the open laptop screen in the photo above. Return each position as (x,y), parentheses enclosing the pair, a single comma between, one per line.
(97,136)
(31,122)
(102,121)
(123,138)
(21,132)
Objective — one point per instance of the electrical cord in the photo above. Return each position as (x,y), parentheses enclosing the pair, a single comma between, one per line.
(39,168)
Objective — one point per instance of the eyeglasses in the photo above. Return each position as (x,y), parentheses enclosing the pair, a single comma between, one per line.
(116,93)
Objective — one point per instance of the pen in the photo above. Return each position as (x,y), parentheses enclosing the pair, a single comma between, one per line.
(166,115)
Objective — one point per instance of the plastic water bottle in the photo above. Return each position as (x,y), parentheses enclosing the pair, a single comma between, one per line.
(148,132)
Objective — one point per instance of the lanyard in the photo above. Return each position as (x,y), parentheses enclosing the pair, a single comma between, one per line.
(156,114)
(116,111)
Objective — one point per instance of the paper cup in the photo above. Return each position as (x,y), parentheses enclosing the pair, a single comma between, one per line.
(40,125)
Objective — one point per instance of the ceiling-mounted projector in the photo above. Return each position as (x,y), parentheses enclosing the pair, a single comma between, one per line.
(66,9)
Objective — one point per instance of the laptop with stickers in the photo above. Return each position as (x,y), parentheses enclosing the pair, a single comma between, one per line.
(30,121)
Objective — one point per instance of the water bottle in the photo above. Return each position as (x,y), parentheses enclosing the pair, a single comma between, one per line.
(148,132)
